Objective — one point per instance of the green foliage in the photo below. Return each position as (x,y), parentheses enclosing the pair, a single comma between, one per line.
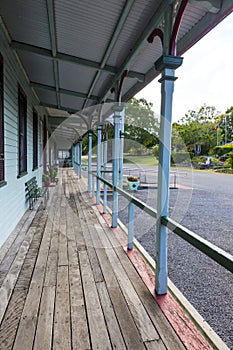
(45,177)
(140,122)
(53,173)
(226,126)
(221,150)
(223,170)
(180,157)
(195,131)
(155,151)
(177,138)
(230,160)
(85,143)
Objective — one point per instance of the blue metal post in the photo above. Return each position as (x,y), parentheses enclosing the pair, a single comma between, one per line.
(80,158)
(166,65)
(121,161)
(76,157)
(105,160)
(131,225)
(89,160)
(116,145)
(99,137)
(93,186)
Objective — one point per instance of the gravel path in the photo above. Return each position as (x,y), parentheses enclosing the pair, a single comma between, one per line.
(204,205)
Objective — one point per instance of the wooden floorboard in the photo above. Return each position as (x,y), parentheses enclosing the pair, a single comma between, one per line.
(44,329)
(126,274)
(67,284)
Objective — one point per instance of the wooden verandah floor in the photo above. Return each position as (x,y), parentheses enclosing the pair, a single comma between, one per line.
(66,283)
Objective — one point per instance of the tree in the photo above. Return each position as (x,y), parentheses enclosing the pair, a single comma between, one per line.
(155,151)
(196,129)
(141,125)
(225,127)
(229,124)
(230,160)
(177,138)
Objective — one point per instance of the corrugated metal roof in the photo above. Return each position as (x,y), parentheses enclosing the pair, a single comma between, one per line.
(84,28)
(27,21)
(81,48)
(140,15)
(149,55)
(74,77)
(44,75)
(104,79)
(48,97)
(71,102)
(191,17)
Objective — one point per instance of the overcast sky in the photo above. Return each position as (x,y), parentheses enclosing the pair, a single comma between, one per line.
(206,75)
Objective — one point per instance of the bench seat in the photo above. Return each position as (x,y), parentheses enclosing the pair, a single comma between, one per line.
(33,192)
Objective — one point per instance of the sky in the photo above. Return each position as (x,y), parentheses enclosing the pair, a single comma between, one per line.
(205,77)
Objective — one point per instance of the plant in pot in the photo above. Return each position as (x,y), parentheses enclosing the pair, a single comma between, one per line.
(46,179)
(133,182)
(53,173)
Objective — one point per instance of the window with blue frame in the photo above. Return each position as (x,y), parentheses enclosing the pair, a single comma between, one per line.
(35,140)
(22,132)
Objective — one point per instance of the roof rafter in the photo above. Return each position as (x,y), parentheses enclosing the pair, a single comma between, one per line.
(115,35)
(52,30)
(17,45)
(62,108)
(62,91)
(140,44)
(150,75)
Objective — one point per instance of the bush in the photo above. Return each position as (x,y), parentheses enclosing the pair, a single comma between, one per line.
(180,157)
(230,160)
(223,170)
(155,151)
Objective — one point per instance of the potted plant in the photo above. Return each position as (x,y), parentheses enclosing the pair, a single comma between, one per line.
(53,174)
(133,182)
(46,179)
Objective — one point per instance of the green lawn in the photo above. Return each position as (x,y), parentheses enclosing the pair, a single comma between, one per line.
(141,160)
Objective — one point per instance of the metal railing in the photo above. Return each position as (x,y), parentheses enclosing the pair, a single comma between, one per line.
(145,179)
(215,253)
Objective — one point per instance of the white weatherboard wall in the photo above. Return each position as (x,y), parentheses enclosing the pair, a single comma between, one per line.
(12,196)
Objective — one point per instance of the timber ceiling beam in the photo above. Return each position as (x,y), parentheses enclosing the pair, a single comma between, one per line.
(62,108)
(62,91)
(61,57)
(52,32)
